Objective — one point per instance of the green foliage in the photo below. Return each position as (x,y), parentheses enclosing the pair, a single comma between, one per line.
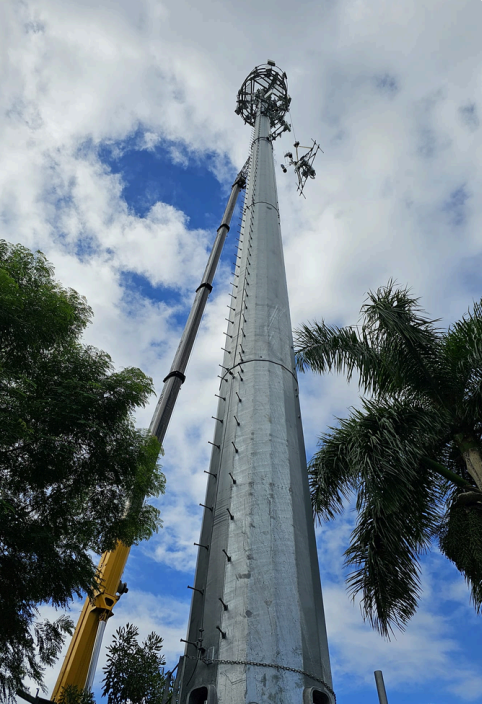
(36,645)
(133,672)
(71,459)
(71,694)
(401,454)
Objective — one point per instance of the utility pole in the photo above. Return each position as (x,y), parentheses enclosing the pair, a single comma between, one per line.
(382,692)
(256,629)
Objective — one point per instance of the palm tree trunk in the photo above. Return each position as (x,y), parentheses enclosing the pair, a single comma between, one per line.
(470,451)
(473,461)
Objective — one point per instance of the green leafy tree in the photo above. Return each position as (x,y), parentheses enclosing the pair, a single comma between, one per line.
(71,694)
(74,470)
(134,672)
(36,645)
(411,453)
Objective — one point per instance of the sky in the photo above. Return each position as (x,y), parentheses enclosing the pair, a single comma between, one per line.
(119,143)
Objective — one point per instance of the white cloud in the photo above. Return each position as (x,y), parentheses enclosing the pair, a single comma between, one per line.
(391,91)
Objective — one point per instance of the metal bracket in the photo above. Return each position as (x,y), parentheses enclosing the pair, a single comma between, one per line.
(205,285)
(178,375)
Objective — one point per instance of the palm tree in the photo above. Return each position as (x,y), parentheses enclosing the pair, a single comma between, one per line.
(411,454)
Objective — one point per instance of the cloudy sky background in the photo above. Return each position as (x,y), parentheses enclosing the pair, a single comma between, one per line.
(119,143)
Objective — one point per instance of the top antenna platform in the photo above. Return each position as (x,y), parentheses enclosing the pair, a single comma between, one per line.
(268,84)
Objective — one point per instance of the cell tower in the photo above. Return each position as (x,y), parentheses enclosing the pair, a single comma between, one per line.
(256,630)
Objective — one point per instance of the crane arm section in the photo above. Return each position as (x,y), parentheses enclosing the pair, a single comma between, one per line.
(81,657)
(76,663)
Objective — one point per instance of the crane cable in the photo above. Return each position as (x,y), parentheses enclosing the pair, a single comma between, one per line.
(292,124)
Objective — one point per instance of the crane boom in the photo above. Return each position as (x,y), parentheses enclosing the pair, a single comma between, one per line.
(83,652)
(77,660)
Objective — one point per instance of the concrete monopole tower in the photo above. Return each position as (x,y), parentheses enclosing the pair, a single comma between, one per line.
(256,631)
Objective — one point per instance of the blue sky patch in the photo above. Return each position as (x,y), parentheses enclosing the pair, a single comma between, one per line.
(151,175)
(455,206)
(139,284)
(427,145)
(470,116)
(387,84)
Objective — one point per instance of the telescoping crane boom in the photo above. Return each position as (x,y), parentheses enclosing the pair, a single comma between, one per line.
(82,656)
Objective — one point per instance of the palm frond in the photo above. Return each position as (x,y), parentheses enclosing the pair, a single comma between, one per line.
(385,548)
(399,453)
(462,348)
(377,451)
(448,455)
(407,340)
(331,475)
(394,311)
(344,350)
(449,476)
(382,436)
(395,350)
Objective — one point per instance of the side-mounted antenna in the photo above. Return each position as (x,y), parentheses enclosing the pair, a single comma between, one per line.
(303,164)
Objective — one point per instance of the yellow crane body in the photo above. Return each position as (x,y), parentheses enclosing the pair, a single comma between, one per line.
(77,661)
